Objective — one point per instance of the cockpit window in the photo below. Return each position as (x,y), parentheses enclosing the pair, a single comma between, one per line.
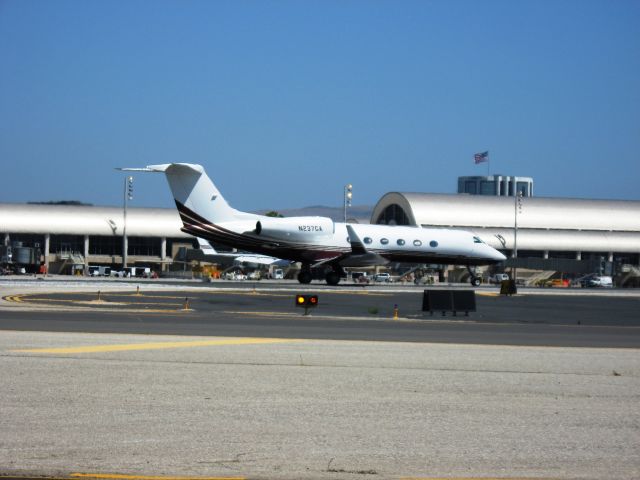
(477,240)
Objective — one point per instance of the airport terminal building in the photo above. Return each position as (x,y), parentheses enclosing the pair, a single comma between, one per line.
(69,238)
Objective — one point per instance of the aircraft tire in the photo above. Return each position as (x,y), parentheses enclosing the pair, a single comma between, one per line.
(304,277)
(475,281)
(332,278)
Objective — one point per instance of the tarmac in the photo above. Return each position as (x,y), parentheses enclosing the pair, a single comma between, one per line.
(101,404)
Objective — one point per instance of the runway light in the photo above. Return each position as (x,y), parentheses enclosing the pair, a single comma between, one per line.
(306,301)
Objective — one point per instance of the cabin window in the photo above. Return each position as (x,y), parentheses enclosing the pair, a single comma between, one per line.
(400,242)
(367,240)
(384,241)
(433,244)
(417,243)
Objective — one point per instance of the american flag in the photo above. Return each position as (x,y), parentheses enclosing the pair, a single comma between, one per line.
(481,157)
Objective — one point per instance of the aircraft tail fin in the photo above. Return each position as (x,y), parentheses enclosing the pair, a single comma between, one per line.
(193,191)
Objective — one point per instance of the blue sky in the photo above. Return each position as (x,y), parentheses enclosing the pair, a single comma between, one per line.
(285,102)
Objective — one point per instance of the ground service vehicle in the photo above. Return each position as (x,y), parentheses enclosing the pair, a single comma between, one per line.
(499,278)
(605,282)
(98,271)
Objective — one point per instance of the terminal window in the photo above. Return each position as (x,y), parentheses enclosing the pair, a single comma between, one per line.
(487,188)
(470,187)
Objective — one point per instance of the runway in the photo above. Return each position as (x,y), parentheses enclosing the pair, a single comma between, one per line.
(578,320)
(242,385)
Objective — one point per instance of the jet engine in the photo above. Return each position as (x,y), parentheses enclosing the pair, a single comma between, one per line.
(295,228)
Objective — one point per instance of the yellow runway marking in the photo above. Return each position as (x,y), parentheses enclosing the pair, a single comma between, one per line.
(154,345)
(13,298)
(141,305)
(116,476)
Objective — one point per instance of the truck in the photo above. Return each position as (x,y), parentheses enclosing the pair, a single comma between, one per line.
(144,272)
(99,271)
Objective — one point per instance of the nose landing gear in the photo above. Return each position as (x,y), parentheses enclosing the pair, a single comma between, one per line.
(473,280)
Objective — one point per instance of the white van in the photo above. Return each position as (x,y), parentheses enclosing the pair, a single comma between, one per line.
(605,282)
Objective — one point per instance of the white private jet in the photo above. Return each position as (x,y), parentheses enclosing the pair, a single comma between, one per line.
(240,258)
(314,241)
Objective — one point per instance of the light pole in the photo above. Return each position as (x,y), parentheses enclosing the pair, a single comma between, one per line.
(517,210)
(348,195)
(128,195)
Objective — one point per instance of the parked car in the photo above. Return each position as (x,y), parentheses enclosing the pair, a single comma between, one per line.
(382,277)
(594,280)
(498,278)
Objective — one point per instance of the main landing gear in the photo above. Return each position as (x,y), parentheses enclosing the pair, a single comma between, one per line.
(332,276)
(305,276)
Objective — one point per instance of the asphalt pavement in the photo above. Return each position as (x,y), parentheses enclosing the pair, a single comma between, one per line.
(237,383)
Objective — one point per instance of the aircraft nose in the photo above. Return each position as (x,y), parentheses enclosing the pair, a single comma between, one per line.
(496,255)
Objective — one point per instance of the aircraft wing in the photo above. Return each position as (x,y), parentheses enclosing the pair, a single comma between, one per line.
(359,256)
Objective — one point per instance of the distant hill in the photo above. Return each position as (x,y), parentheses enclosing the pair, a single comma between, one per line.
(361,213)
(62,202)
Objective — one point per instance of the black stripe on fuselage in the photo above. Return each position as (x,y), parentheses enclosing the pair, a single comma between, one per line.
(198,226)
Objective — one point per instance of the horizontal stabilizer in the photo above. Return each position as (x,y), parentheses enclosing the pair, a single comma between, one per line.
(163,168)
